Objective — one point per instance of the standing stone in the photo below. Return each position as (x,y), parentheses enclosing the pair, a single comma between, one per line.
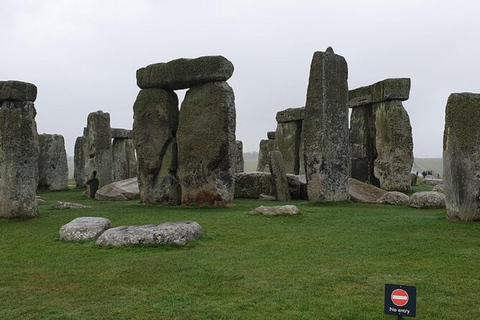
(239,163)
(80,158)
(394,145)
(289,137)
(99,148)
(279,176)
(206,145)
(52,162)
(266,146)
(154,130)
(461,156)
(326,129)
(124,161)
(18,159)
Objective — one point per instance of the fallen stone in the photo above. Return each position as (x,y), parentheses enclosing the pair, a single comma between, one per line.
(252,184)
(17,91)
(119,191)
(395,198)
(185,73)
(84,228)
(385,90)
(427,200)
(179,233)
(439,188)
(364,192)
(431,182)
(276,211)
(266,197)
(68,205)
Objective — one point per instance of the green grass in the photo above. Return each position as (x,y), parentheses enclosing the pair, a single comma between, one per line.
(329,263)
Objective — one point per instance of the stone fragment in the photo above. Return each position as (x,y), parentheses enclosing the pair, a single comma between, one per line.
(271,135)
(265,147)
(179,233)
(52,162)
(12,90)
(279,176)
(84,228)
(291,114)
(461,156)
(18,159)
(120,190)
(431,182)
(385,90)
(124,160)
(286,210)
(395,198)
(364,192)
(326,129)
(118,133)
(206,145)
(288,141)
(394,145)
(427,200)
(80,159)
(68,205)
(184,73)
(439,188)
(266,197)
(239,162)
(154,128)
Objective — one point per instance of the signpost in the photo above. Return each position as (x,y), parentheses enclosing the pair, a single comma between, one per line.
(400,300)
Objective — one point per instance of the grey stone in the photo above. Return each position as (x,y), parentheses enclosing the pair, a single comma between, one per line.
(279,176)
(184,73)
(288,142)
(239,163)
(439,188)
(461,156)
(271,135)
(68,205)
(253,184)
(52,162)
(265,147)
(179,233)
(291,114)
(286,210)
(431,182)
(80,159)
(363,192)
(154,128)
(41,201)
(118,133)
(326,129)
(12,90)
(18,159)
(394,145)
(84,228)
(206,145)
(266,197)
(427,200)
(385,90)
(124,160)
(395,198)
(119,191)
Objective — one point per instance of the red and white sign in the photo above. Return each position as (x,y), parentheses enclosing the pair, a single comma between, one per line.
(399,297)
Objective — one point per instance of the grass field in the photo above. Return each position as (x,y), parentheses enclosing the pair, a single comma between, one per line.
(329,263)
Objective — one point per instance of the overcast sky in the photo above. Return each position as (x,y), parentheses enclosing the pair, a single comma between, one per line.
(83,55)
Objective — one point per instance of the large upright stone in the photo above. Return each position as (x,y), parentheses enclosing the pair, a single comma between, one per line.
(124,160)
(239,162)
(264,148)
(99,148)
(154,130)
(206,145)
(18,159)
(52,162)
(288,137)
(461,156)
(279,176)
(185,73)
(326,129)
(80,159)
(394,145)
(17,91)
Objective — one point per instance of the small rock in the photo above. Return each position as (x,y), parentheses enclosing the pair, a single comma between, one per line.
(276,211)
(395,198)
(68,205)
(84,228)
(439,188)
(427,199)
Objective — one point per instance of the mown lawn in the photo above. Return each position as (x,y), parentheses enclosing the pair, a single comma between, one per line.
(329,263)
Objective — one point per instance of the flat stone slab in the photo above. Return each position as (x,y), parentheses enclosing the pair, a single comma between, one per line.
(119,191)
(118,133)
(84,228)
(184,73)
(68,205)
(179,233)
(427,200)
(12,90)
(291,114)
(395,198)
(363,192)
(431,182)
(287,210)
(385,90)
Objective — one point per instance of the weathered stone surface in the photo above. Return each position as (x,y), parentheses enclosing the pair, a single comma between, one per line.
(41,201)
(279,176)
(266,197)
(394,145)
(439,188)
(185,73)
(265,147)
(118,133)
(431,182)
(154,128)
(427,199)
(84,228)
(99,148)
(68,205)
(286,210)
(239,163)
(18,159)
(80,158)
(288,141)
(326,129)
(179,233)
(120,190)
(461,156)
(385,90)
(206,145)
(363,192)
(12,90)
(291,114)
(52,162)
(253,184)
(124,160)
(271,135)
(395,198)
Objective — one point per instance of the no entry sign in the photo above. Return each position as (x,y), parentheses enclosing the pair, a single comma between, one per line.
(400,300)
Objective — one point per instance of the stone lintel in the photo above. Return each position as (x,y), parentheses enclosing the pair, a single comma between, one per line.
(291,114)
(118,133)
(385,90)
(12,90)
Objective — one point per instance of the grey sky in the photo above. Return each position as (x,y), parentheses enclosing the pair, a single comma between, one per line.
(83,55)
